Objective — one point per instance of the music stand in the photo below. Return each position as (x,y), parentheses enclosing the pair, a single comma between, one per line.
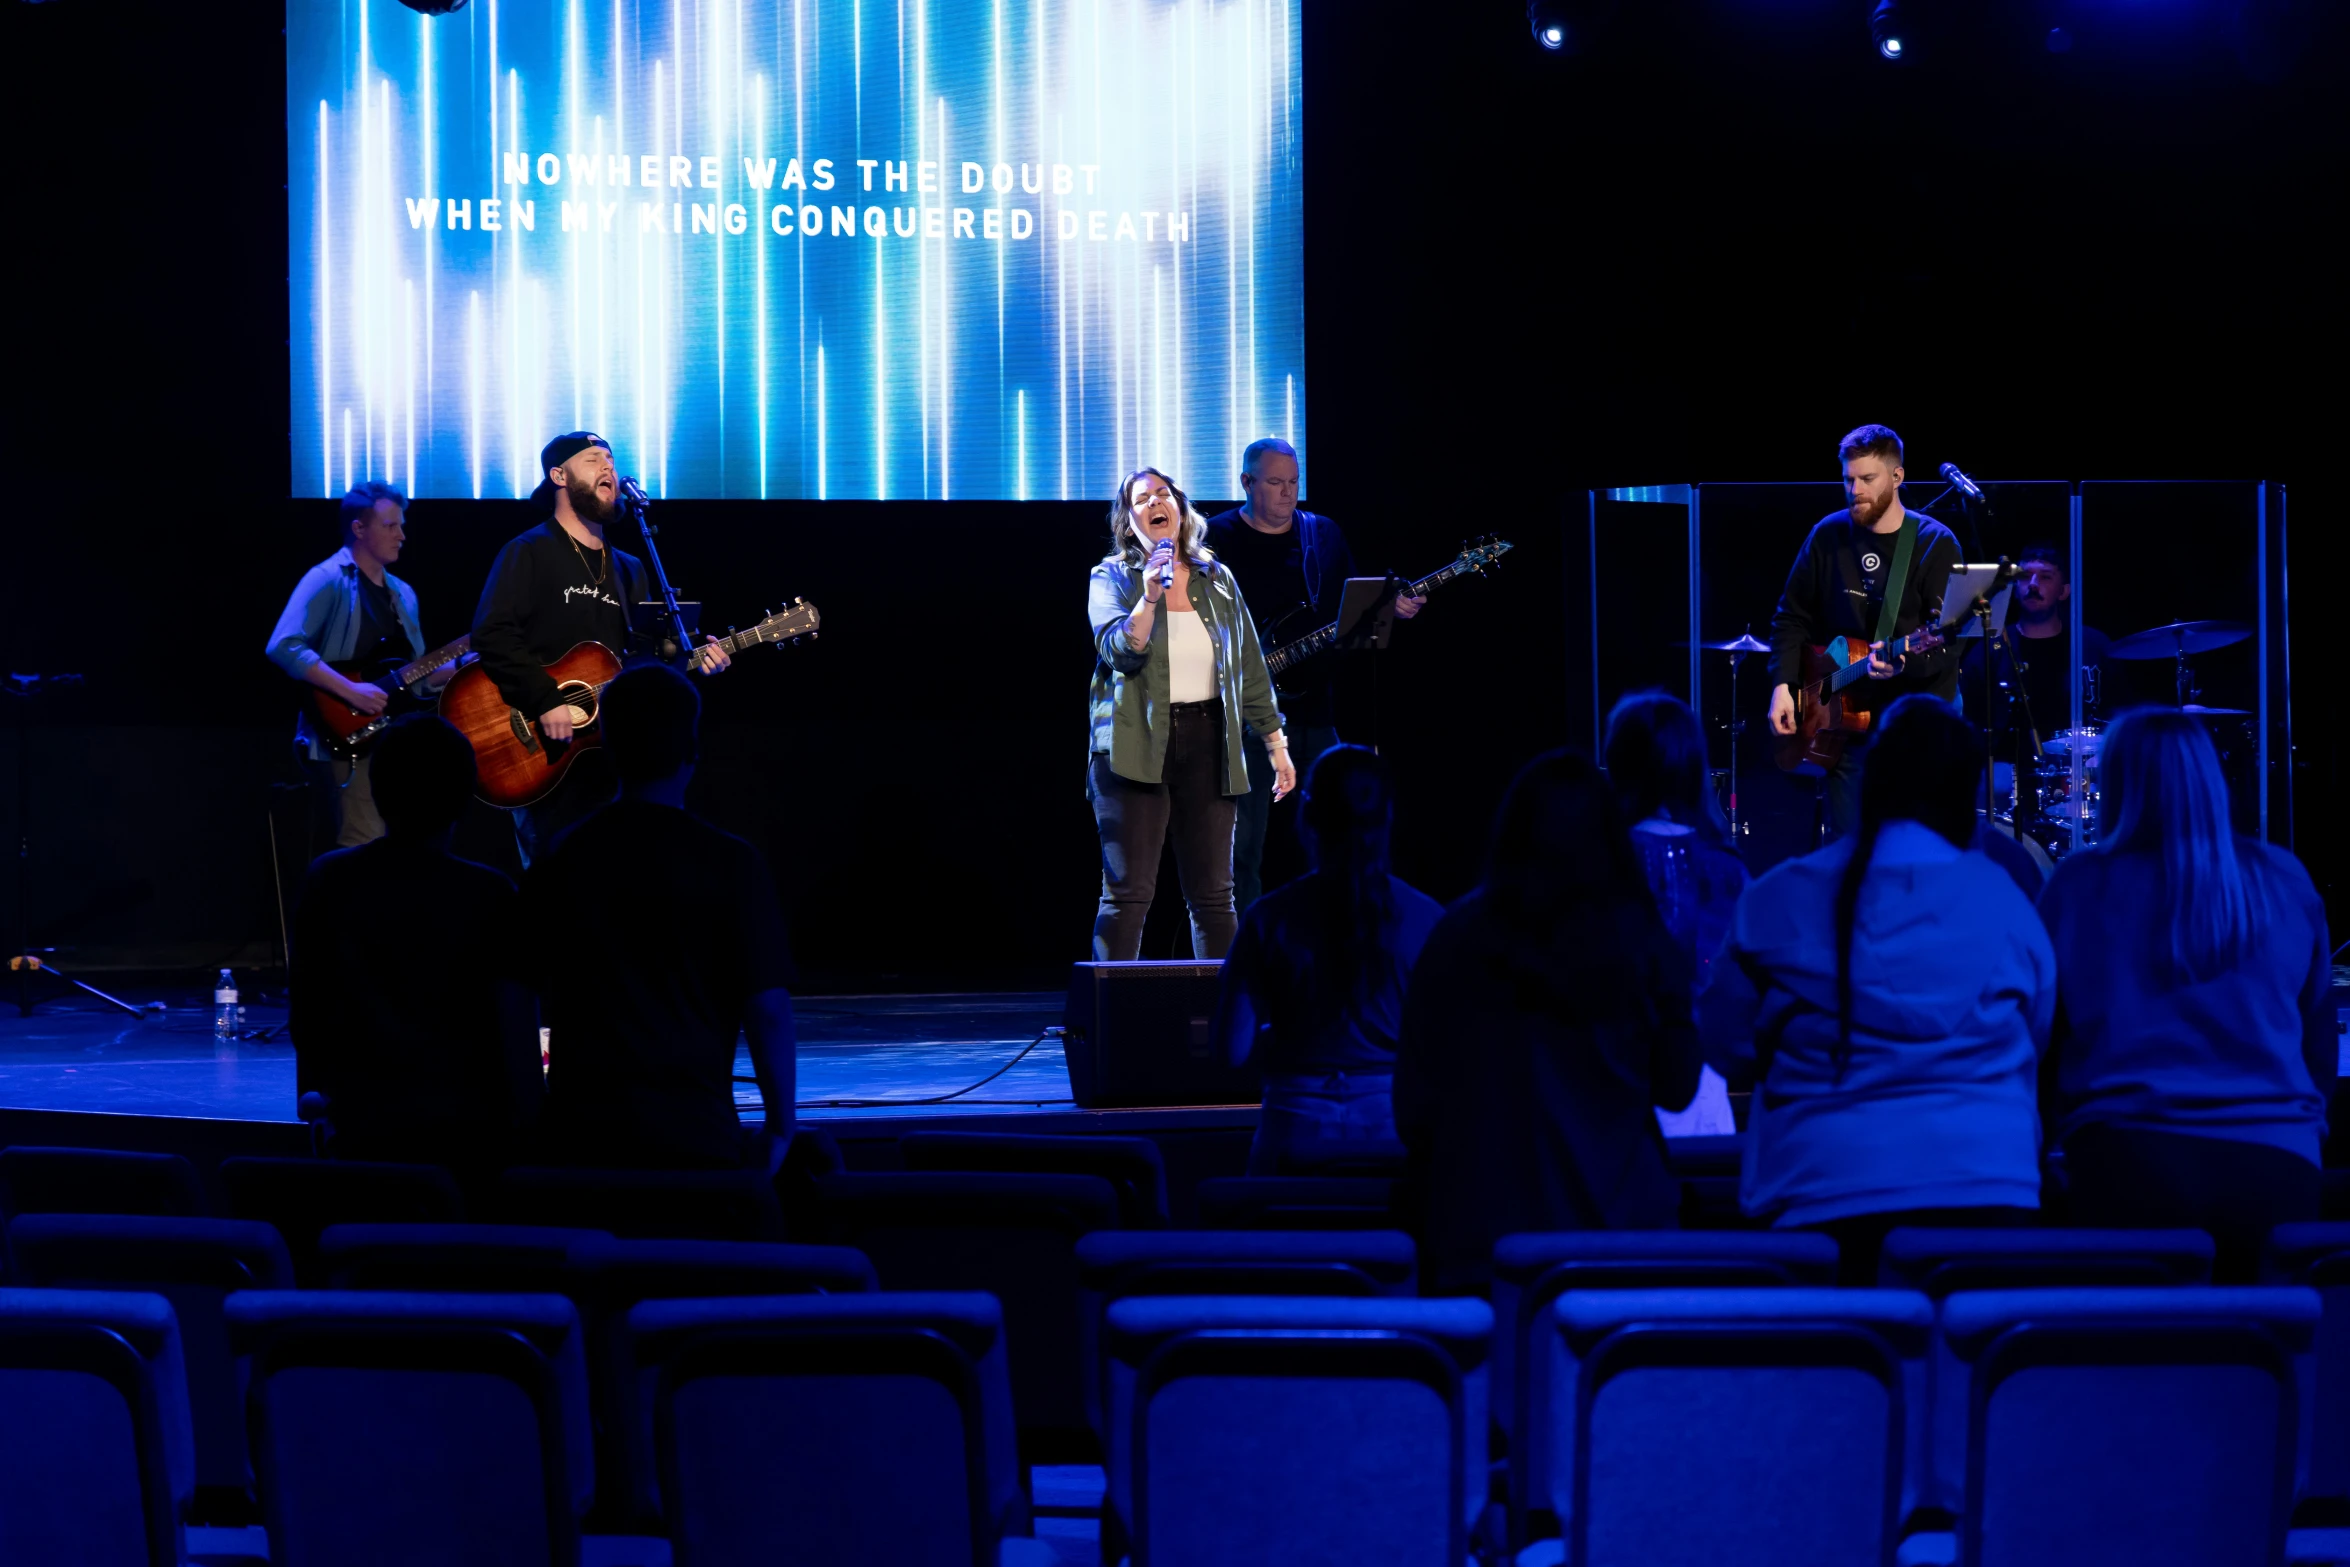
(649,624)
(1366,612)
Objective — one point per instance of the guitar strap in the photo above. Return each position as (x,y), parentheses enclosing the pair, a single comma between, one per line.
(1905,542)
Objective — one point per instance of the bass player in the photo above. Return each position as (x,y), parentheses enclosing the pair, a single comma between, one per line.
(349,607)
(1871,571)
(1282,557)
(552,588)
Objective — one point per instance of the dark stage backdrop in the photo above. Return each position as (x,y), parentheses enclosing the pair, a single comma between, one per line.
(1702,252)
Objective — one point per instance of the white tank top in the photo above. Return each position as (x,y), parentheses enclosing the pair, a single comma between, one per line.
(1191,658)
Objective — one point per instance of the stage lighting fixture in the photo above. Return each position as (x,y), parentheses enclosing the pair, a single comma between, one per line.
(434,7)
(1885,27)
(1550,24)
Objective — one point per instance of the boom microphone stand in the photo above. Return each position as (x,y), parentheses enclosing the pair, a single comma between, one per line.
(640,507)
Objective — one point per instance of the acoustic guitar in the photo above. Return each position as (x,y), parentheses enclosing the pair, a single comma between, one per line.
(1826,717)
(346,731)
(1474,560)
(515,763)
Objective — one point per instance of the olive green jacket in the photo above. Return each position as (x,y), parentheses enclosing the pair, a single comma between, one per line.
(1130,686)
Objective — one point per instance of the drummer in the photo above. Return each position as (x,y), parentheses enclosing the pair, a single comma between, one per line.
(2041,624)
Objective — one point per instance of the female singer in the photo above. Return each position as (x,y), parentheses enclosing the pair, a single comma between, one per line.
(1176,672)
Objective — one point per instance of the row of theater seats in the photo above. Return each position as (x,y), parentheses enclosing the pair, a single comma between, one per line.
(1655,1397)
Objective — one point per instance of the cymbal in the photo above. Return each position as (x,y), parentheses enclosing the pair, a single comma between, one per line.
(1744,644)
(2216,712)
(2180,636)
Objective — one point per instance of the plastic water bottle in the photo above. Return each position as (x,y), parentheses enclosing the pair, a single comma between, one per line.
(224,1007)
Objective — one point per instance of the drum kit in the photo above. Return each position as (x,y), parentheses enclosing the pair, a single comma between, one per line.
(2063,785)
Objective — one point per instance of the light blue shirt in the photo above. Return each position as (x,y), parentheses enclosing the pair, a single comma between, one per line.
(321,623)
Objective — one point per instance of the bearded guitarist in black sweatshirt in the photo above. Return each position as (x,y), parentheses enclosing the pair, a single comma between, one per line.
(553,588)
(1853,560)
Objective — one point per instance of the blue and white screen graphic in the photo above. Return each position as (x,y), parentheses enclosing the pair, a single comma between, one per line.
(828,249)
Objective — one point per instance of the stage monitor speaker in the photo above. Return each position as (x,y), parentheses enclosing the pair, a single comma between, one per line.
(1138,1035)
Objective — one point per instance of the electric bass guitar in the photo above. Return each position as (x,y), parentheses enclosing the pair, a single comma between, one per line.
(1826,717)
(515,763)
(1474,560)
(346,731)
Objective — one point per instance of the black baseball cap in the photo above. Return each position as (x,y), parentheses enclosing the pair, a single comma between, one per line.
(559,451)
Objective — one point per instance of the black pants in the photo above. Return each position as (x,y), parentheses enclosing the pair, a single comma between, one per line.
(587,788)
(1860,1239)
(1133,820)
(2125,1178)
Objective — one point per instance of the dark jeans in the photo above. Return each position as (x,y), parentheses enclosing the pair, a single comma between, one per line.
(1311,1118)
(587,788)
(1255,825)
(1861,1238)
(1134,818)
(2125,1178)
(1843,785)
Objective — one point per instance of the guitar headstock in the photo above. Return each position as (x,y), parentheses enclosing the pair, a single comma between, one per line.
(796,620)
(1481,555)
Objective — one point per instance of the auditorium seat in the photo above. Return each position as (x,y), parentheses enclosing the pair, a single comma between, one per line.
(96,1455)
(698,1205)
(390,1429)
(97,1180)
(840,1428)
(1756,1426)
(1014,1236)
(2318,1256)
(2148,1426)
(302,1197)
(1116,1264)
(1531,1271)
(195,1264)
(612,1278)
(1296,1429)
(1296,1202)
(1131,1165)
(1941,1263)
(472,1259)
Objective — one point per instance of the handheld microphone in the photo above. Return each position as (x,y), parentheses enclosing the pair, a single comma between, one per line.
(1965,486)
(1167,575)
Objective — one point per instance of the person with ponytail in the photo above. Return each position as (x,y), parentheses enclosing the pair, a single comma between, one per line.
(1547,1019)
(1889,997)
(2196,1042)
(1313,987)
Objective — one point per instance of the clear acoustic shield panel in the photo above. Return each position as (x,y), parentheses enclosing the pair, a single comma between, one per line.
(880,249)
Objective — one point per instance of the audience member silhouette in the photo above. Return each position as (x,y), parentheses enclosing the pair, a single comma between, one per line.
(1547,1015)
(658,941)
(2196,1042)
(1313,985)
(406,1016)
(1656,763)
(1890,994)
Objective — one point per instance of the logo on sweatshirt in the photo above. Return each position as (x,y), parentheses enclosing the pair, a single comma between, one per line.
(592,592)
(1871,561)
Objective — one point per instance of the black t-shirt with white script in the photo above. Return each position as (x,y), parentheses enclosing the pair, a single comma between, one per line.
(543,599)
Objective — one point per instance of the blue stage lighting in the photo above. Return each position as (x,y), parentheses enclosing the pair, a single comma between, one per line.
(1553,36)
(1886,28)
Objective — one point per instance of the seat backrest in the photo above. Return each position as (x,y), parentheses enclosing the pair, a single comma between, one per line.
(1116,1264)
(2318,1256)
(1531,1271)
(1296,1202)
(97,1180)
(303,1197)
(1297,1429)
(2138,1425)
(497,1259)
(1756,1374)
(843,1428)
(704,1205)
(1012,1236)
(1131,1165)
(612,1278)
(1944,1262)
(84,1472)
(1755,1441)
(195,1264)
(392,1428)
